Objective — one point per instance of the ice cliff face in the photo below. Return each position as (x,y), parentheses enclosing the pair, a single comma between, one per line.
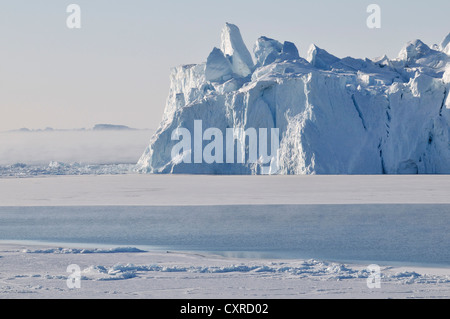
(335,116)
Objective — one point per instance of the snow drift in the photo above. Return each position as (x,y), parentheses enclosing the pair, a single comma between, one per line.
(335,116)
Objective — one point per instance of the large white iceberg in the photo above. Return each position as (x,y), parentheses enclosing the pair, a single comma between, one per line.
(335,116)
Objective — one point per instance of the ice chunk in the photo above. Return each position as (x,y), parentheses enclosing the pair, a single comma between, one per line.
(446,76)
(233,46)
(414,50)
(445,44)
(320,58)
(447,49)
(290,51)
(446,80)
(218,67)
(266,51)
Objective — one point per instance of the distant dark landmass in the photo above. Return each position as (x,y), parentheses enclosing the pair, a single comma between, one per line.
(111,127)
(24,129)
(97,127)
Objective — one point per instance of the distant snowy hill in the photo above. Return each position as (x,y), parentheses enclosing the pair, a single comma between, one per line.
(335,116)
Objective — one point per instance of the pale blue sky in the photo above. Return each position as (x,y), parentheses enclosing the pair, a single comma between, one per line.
(115,69)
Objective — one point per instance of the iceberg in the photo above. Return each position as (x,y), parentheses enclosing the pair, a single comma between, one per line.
(445,44)
(266,51)
(334,115)
(218,67)
(233,46)
(320,58)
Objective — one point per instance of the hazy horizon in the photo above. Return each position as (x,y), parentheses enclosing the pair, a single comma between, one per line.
(115,69)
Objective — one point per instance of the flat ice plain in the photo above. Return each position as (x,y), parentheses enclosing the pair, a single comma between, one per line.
(154,236)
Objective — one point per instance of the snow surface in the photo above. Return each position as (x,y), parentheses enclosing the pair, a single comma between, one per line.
(40,272)
(336,116)
(187,190)
(120,268)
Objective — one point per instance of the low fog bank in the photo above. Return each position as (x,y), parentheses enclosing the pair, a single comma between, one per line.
(76,146)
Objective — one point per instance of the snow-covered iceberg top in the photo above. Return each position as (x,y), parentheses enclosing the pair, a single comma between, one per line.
(333,115)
